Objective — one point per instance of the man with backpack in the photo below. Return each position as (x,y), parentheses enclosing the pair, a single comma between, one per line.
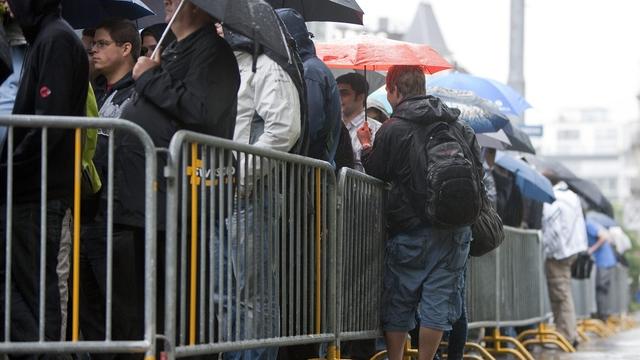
(433,164)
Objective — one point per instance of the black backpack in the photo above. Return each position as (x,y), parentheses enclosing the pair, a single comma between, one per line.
(453,184)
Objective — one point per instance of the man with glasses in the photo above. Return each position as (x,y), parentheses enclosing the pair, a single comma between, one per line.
(114,50)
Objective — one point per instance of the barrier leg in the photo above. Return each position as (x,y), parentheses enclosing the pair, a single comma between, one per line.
(546,335)
(483,353)
(595,326)
(582,334)
(520,352)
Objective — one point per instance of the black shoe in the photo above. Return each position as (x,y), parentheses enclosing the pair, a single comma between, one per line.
(575,344)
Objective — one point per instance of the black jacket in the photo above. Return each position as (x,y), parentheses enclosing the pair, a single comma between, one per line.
(391,157)
(54,82)
(195,88)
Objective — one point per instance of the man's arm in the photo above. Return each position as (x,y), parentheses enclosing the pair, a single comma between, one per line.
(376,159)
(201,97)
(603,237)
(277,103)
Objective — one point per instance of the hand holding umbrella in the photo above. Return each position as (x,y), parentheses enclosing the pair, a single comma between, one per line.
(364,135)
(145,64)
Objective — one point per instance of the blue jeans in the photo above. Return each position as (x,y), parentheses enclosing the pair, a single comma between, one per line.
(251,266)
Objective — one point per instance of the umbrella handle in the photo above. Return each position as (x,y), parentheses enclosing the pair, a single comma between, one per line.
(167,29)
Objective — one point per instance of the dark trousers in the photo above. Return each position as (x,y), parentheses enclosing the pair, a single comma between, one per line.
(25,272)
(127,287)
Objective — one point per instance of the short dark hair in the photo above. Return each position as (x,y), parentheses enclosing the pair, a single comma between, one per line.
(357,82)
(123,31)
(89,32)
(408,79)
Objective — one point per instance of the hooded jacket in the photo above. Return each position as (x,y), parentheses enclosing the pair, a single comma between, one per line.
(194,88)
(323,98)
(55,81)
(393,155)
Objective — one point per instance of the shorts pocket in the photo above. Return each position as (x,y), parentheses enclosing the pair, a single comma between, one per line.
(407,251)
(458,251)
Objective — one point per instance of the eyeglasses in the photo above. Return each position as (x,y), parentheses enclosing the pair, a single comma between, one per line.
(101,44)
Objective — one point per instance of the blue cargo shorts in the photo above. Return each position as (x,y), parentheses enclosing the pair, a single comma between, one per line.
(424,273)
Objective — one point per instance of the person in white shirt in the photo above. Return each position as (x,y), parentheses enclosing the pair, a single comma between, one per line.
(563,237)
(353,95)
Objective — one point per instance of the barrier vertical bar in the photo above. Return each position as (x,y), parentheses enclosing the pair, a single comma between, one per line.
(318,252)
(109,303)
(43,234)
(194,244)
(75,326)
(9,235)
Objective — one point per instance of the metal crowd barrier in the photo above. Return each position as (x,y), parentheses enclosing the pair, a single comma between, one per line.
(46,127)
(507,286)
(251,247)
(584,296)
(361,225)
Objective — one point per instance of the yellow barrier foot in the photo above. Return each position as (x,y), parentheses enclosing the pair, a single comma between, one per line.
(582,334)
(483,353)
(546,335)
(520,352)
(595,326)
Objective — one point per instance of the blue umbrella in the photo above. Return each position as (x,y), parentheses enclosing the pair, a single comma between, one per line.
(507,99)
(480,114)
(602,219)
(531,183)
(82,14)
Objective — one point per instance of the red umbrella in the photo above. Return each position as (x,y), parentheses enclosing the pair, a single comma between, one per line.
(378,54)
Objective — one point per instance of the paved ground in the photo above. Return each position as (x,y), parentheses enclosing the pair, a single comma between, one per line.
(622,346)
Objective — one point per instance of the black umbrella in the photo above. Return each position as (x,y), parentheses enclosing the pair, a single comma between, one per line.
(344,11)
(520,141)
(6,67)
(588,190)
(254,19)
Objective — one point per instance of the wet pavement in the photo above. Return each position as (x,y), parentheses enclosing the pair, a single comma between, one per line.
(623,345)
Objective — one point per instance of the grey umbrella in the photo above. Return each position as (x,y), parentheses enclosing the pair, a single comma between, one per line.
(520,141)
(254,19)
(344,11)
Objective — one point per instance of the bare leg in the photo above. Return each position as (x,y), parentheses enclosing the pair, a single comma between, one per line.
(395,344)
(429,342)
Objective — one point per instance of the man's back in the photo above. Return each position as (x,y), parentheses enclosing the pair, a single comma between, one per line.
(394,157)
(563,226)
(54,82)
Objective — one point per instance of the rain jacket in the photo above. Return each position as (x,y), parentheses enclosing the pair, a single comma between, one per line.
(390,159)
(194,88)
(323,98)
(55,81)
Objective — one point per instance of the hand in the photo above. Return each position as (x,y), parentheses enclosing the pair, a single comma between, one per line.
(364,135)
(144,64)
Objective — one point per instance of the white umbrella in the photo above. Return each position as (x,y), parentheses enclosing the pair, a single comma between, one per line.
(496,140)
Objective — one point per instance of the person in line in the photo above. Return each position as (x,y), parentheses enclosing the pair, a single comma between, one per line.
(55,79)
(600,247)
(192,85)
(150,37)
(271,114)
(424,267)
(114,52)
(563,237)
(323,98)
(353,94)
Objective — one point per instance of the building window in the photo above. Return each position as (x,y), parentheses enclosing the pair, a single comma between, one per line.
(569,135)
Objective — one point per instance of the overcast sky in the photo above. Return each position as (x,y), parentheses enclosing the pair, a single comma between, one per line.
(578,53)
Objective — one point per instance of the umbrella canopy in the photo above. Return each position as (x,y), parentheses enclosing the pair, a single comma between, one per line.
(520,141)
(602,219)
(507,99)
(531,183)
(586,189)
(254,19)
(495,140)
(366,52)
(82,14)
(480,114)
(344,11)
